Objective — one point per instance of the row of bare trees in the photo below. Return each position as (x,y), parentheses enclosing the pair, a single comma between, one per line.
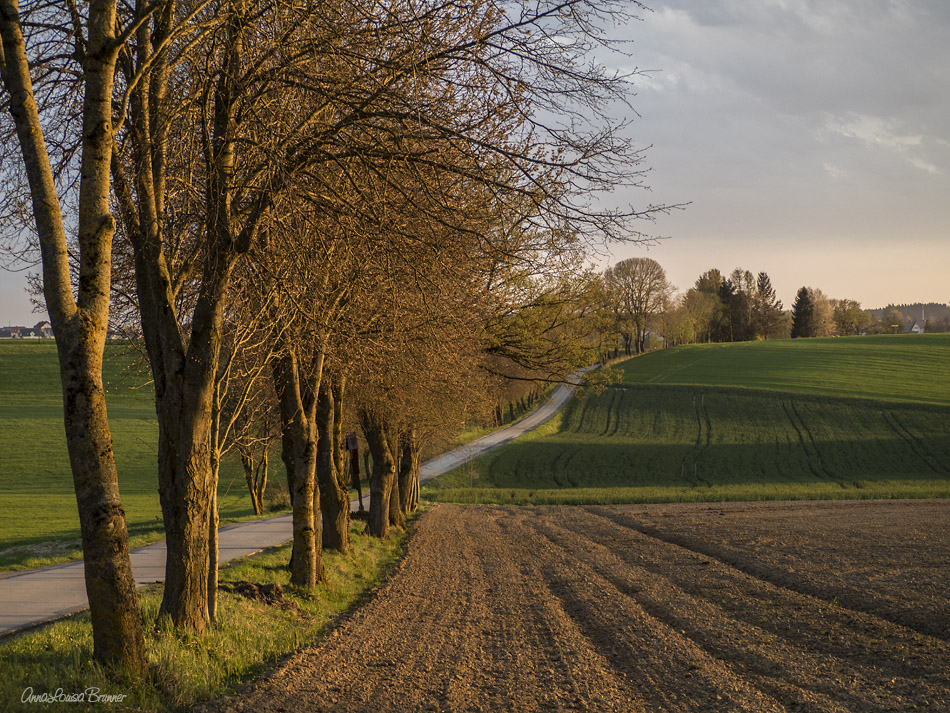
(307,204)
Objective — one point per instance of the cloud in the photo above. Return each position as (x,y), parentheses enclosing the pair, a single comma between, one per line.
(883,133)
(786,121)
(874,131)
(834,170)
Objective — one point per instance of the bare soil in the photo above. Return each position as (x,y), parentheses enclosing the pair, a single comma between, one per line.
(837,606)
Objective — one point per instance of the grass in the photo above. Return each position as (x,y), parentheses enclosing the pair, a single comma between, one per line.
(184,670)
(904,367)
(38,519)
(805,419)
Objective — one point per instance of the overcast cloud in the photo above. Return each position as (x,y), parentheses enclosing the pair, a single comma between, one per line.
(813,139)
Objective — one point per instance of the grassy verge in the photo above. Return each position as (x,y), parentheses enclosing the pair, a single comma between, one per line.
(901,489)
(251,635)
(473,432)
(42,551)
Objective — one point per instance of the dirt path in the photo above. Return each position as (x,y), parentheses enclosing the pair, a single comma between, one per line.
(817,607)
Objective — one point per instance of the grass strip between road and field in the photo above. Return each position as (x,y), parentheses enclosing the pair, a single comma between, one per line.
(250,638)
(899,490)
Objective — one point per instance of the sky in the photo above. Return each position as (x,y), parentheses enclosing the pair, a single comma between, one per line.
(811,139)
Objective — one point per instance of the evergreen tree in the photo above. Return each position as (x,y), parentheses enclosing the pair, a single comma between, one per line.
(767,308)
(704,303)
(724,328)
(803,314)
(709,282)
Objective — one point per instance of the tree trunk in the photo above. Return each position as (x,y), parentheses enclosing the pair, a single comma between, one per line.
(213,522)
(396,518)
(118,638)
(183,373)
(250,476)
(260,482)
(287,458)
(79,325)
(184,381)
(382,475)
(297,395)
(185,491)
(409,472)
(332,467)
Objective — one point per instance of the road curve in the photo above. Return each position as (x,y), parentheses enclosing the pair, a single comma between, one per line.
(454,458)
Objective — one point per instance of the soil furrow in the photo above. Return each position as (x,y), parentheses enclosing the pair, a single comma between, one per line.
(666,667)
(564,609)
(866,576)
(778,668)
(780,639)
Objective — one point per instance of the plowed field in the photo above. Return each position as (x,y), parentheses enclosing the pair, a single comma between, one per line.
(839,606)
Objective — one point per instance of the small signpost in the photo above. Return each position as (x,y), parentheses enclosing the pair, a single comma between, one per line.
(352,445)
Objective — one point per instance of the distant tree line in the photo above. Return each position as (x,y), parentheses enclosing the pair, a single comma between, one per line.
(640,309)
(932,316)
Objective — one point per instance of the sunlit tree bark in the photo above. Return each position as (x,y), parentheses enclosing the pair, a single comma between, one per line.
(80,324)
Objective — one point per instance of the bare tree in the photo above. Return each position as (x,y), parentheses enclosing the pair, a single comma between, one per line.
(640,291)
(80,322)
(242,409)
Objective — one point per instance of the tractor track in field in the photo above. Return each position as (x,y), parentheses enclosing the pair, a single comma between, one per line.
(918,448)
(610,412)
(622,394)
(557,470)
(812,453)
(703,439)
(822,607)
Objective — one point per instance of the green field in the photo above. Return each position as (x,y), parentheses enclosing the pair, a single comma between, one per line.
(862,417)
(906,367)
(38,520)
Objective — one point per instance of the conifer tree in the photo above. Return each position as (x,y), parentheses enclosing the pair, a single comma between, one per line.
(767,309)
(803,314)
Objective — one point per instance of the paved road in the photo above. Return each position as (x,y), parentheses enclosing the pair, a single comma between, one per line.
(37,596)
(453,459)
